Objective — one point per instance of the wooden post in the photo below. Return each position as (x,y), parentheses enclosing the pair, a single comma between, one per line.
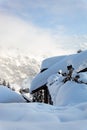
(45,95)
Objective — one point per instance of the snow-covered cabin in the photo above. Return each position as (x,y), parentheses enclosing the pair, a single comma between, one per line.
(52,66)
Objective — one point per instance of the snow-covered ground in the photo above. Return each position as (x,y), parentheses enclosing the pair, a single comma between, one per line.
(39,116)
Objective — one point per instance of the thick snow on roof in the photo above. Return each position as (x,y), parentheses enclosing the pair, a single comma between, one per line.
(78,61)
(9,96)
(51,61)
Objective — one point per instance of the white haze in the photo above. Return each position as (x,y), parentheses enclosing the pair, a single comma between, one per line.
(29,39)
(16,33)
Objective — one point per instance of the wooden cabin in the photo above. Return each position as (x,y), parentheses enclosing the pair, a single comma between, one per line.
(42,95)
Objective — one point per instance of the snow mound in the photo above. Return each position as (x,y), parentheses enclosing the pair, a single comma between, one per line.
(9,96)
(83,77)
(71,93)
(68,93)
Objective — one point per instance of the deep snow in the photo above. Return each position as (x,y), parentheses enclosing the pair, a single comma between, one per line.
(39,116)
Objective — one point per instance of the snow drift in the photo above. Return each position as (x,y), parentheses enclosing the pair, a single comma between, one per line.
(9,96)
(38,116)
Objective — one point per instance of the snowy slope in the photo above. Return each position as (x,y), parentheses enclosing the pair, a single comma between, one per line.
(78,61)
(15,68)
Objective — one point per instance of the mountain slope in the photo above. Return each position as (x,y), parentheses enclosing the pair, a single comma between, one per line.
(15,69)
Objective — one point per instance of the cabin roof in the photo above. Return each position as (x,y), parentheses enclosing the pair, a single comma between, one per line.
(51,61)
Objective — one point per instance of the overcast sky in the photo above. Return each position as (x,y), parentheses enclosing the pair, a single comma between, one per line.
(44,27)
